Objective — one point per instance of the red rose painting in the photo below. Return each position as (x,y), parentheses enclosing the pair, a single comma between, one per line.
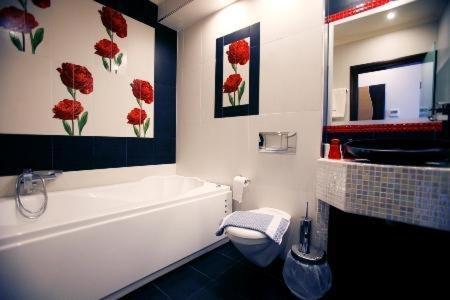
(113,21)
(237,73)
(143,92)
(20,22)
(75,78)
(106,48)
(67,109)
(17,20)
(238,54)
(109,51)
(136,116)
(232,83)
(42,3)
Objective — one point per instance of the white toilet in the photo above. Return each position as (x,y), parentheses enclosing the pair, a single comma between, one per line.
(254,245)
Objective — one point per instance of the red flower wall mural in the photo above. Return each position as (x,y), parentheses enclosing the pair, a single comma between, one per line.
(143,92)
(238,54)
(108,50)
(20,22)
(75,78)
(41,3)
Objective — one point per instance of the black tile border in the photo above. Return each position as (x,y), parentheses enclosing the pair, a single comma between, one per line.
(252,108)
(20,151)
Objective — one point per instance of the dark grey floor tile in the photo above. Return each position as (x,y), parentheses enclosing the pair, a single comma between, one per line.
(216,291)
(212,264)
(275,269)
(230,251)
(251,282)
(182,282)
(148,291)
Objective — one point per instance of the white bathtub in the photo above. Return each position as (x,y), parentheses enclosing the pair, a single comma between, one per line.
(92,242)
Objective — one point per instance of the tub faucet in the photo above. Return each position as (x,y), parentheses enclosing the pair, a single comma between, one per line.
(48,175)
(26,182)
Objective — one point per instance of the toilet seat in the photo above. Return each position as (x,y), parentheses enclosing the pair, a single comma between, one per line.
(253,237)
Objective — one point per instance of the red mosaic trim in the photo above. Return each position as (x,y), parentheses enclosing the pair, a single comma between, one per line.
(400,127)
(355,10)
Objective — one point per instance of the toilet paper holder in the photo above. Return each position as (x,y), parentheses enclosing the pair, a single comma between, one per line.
(247,180)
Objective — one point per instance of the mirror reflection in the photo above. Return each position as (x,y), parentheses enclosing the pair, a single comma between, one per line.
(390,64)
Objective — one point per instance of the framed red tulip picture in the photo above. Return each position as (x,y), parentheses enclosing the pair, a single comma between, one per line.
(237,73)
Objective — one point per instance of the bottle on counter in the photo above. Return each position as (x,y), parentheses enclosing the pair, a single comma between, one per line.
(335,149)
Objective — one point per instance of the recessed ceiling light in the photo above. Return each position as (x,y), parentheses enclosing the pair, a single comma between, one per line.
(390,15)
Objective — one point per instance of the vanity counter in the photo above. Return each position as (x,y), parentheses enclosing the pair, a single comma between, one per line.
(408,194)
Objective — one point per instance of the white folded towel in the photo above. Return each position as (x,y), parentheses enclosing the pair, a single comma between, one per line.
(339,102)
(273,226)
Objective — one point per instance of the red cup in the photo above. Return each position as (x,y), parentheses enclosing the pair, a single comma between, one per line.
(335,149)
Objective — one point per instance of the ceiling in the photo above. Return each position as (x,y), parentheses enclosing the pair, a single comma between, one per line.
(180,14)
(408,15)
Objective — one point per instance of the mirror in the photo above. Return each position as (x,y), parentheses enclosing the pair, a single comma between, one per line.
(389,64)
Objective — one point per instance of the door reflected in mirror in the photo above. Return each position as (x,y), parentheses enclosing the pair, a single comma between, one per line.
(389,65)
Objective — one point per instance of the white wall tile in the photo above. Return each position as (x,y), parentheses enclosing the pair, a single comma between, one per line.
(208,90)
(291,73)
(288,17)
(291,86)
(25,94)
(192,45)
(189,100)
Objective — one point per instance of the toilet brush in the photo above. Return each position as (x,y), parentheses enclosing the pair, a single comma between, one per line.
(305,232)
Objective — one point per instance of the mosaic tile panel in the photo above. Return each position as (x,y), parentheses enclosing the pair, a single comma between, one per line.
(413,195)
(321,226)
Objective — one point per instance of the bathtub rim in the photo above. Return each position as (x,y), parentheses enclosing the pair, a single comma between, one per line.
(17,238)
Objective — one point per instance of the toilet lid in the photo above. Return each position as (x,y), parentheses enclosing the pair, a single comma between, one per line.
(253,234)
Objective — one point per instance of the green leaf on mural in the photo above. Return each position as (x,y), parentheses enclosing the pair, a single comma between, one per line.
(136,131)
(241,91)
(82,121)
(67,127)
(234,67)
(36,39)
(71,92)
(110,33)
(146,125)
(105,63)
(118,59)
(16,41)
(230,98)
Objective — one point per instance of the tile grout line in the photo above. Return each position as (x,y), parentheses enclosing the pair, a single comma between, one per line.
(161,290)
(197,270)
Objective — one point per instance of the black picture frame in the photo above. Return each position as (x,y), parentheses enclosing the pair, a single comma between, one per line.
(252,32)
(377,66)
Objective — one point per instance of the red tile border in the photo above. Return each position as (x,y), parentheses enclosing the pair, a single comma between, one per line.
(400,127)
(355,10)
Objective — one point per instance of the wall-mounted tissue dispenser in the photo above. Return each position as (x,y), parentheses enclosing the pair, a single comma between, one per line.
(283,142)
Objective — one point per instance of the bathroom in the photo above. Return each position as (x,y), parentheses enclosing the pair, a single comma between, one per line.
(267,149)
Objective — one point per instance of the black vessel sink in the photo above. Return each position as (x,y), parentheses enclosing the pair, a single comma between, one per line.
(401,151)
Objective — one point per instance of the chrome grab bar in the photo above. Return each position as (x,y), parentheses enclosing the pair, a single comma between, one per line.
(27,180)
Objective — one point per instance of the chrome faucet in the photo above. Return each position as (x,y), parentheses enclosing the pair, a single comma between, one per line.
(26,182)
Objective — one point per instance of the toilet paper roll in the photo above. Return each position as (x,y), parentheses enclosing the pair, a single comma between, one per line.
(239,185)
